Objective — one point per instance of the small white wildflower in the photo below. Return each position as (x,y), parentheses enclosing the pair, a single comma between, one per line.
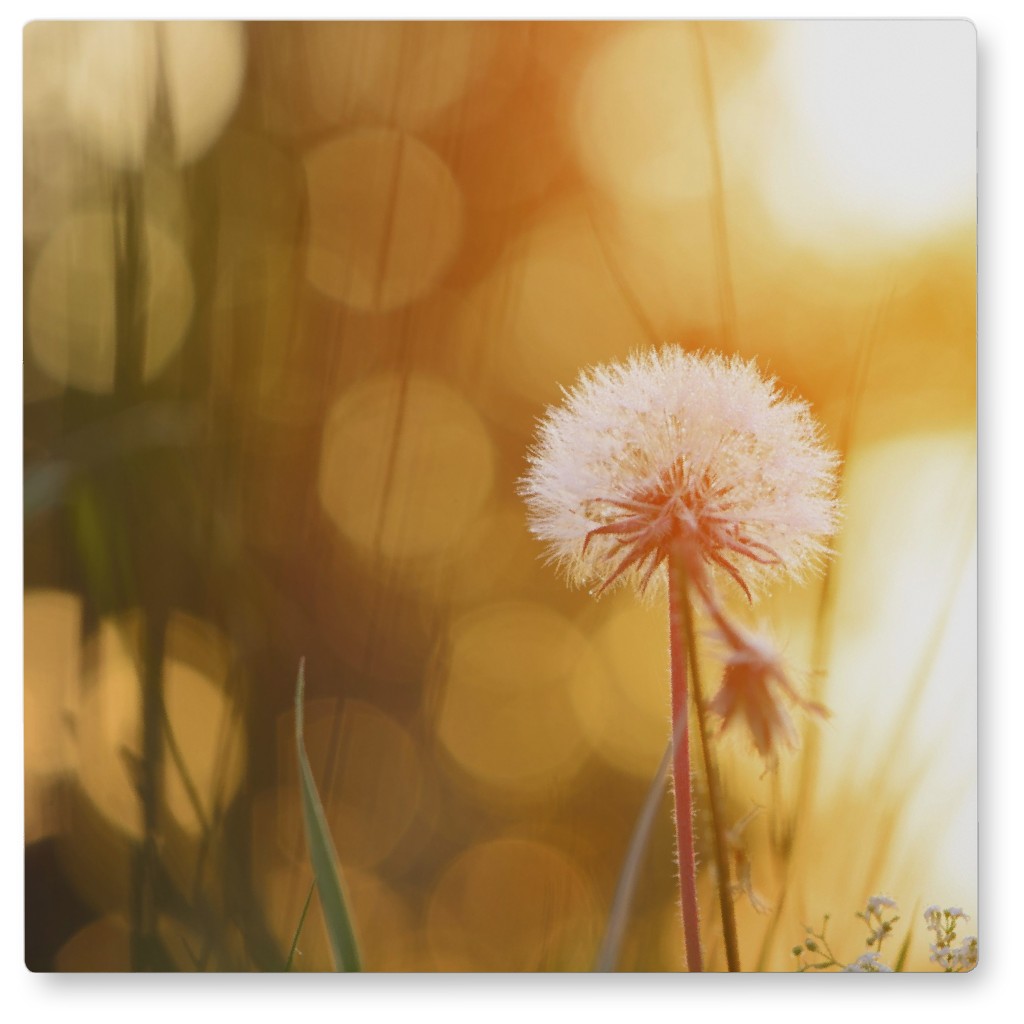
(965,957)
(877,903)
(868,963)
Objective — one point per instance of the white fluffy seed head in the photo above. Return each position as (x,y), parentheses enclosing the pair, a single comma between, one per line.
(625,428)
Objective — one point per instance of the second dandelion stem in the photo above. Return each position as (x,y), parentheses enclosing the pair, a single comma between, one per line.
(678,616)
(721,845)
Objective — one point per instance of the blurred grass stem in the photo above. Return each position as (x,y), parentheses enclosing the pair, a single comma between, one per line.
(726,295)
(611,944)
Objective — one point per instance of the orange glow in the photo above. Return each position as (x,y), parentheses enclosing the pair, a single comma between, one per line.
(409,75)
(877,143)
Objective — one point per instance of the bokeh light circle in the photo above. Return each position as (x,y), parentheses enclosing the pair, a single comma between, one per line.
(204,733)
(71,305)
(116,71)
(876,146)
(512,905)
(639,122)
(550,306)
(385,219)
(111,88)
(412,75)
(406,466)
(622,694)
(506,715)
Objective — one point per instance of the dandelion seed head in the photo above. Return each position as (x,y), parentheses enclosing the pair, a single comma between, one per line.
(672,446)
(756,690)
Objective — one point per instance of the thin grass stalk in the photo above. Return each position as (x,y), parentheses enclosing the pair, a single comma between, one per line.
(298,928)
(723,263)
(131,281)
(682,782)
(721,845)
(625,889)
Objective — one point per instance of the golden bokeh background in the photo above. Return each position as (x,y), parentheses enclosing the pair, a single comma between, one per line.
(295,296)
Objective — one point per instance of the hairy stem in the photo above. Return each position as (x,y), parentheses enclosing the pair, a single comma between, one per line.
(721,845)
(678,615)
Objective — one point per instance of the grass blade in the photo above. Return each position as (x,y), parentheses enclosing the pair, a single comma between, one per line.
(298,927)
(901,958)
(322,854)
(625,890)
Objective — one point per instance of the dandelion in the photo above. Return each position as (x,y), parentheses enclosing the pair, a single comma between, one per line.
(677,449)
(690,471)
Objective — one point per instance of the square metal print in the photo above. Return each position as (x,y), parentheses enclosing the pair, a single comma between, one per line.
(500,496)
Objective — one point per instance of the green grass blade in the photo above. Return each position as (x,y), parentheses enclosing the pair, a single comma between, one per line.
(344,948)
(298,928)
(901,959)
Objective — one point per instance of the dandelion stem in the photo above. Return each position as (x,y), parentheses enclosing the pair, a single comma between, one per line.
(682,784)
(721,846)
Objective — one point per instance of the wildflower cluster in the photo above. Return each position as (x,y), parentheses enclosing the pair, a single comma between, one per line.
(879,927)
(700,458)
(868,963)
(946,954)
(817,945)
(942,923)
